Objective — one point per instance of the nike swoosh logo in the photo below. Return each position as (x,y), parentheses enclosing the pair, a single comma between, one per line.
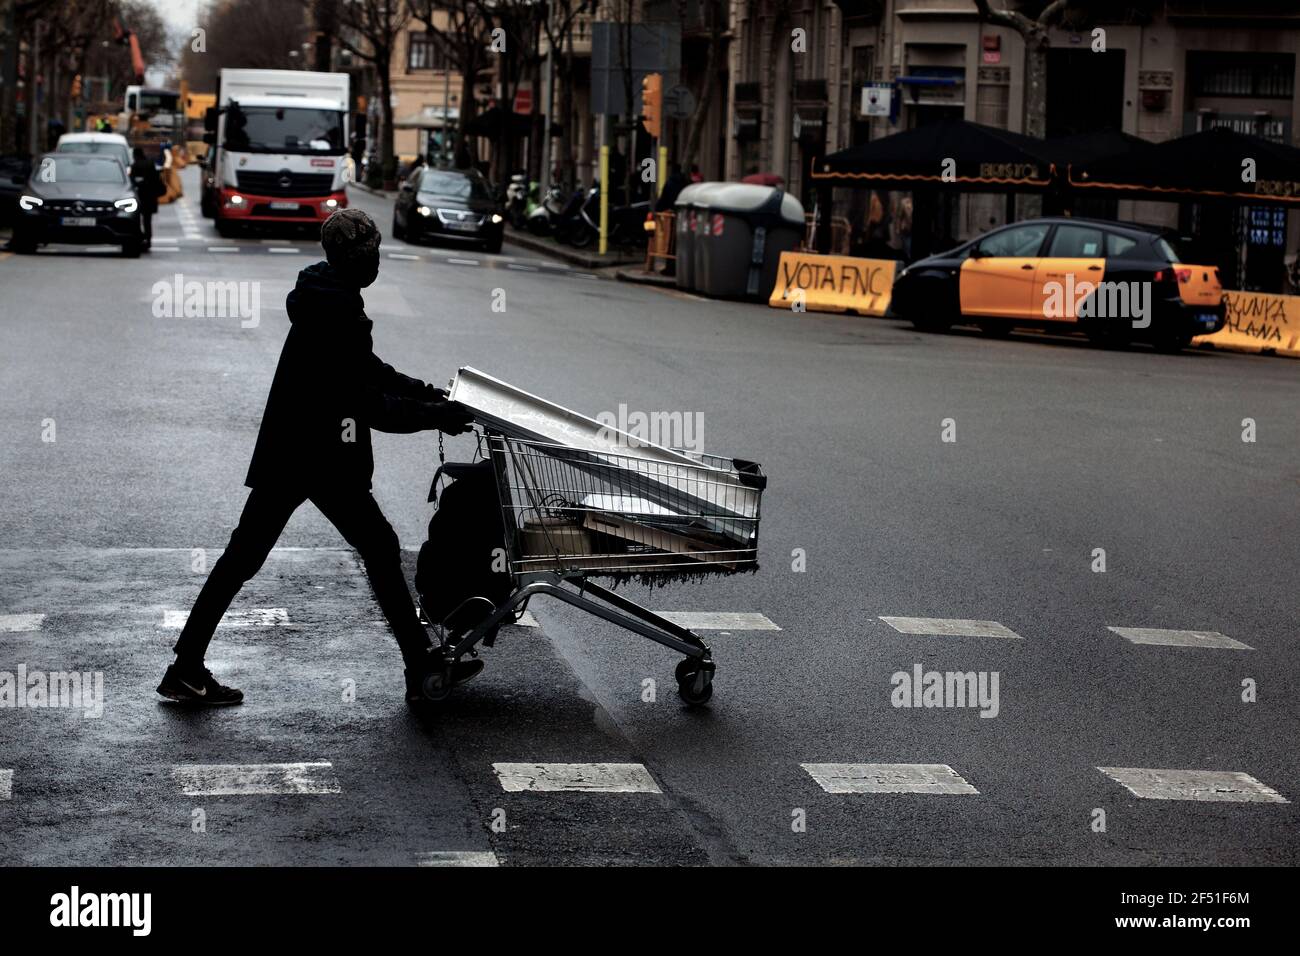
(193,690)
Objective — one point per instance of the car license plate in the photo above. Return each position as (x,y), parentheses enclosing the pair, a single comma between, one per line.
(462,226)
(284,205)
(1208,320)
(78,220)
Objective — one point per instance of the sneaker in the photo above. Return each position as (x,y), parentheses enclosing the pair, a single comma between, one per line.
(462,672)
(197,686)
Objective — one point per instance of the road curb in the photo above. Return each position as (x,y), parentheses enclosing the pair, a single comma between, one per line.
(645,278)
(548,248)
(374,192)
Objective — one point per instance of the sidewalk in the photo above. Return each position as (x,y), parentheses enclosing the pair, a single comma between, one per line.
(583,258)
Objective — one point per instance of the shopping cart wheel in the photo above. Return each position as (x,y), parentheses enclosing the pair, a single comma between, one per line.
(437,685)
(695,681)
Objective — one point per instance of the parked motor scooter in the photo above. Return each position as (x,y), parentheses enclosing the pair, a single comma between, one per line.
(626,223)
(544,217)
(517,200)
(569,220)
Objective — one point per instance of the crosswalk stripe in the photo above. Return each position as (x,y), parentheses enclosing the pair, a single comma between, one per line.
(251,617)
(256,779)
(285,250)
(400,255)
(949,627)
(21,622)
(933,778)
(582,777)
(1207,785)
(462,262)
(223,248)
(719,620)
(1175,638)
(457,858)
(6,784)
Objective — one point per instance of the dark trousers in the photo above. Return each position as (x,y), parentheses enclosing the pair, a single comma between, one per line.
(146,221)
(354,512)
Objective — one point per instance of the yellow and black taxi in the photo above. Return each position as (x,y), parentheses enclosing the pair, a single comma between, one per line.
(1116,282)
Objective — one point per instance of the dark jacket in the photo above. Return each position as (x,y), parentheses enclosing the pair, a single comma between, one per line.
(148,185)
(329,376)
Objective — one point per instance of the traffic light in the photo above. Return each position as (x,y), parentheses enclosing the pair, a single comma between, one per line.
(76,87)
(652,99)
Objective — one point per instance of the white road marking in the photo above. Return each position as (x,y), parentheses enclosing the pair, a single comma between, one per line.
(888,778)
(949,627)
(1175,638)
(719,620)
(21,622)
(457,858)
(583,275)
(255,779)
(463,262)
(285,250)
(400,255)
(164,249)
(1210,785)
(583,777)
(223,248)
(6,784)
(252,617)
(518,267)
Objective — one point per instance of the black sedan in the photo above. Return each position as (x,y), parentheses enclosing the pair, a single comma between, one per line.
(451,204)
(80,198)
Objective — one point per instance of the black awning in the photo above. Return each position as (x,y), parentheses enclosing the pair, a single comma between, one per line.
(1079,148)
(490,122)
(984,158)
(1208,166)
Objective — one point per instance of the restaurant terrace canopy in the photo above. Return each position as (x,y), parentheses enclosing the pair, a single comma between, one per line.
(983,159)
(1204,166)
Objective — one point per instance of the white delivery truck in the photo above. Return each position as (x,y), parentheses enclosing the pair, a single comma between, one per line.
(277,148)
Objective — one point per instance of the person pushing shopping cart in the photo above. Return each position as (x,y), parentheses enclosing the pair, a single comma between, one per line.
(329,391)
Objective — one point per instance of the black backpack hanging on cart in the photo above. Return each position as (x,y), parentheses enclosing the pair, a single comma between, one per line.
(466,541)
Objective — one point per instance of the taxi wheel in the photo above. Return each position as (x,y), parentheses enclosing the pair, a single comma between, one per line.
(1172,342)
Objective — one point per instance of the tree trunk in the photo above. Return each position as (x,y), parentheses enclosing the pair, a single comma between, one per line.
(569,161)
(386,156)
(706,94)
(1036,47)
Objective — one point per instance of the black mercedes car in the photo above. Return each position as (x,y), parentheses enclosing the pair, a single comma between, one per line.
(451,204)
(81,198)
(1115,281)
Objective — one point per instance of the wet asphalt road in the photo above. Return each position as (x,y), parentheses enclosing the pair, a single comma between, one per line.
(1060,450)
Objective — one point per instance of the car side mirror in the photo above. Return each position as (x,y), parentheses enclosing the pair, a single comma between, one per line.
(976,252)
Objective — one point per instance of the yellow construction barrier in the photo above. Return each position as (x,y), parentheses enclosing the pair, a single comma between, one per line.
(806,281)
(1258,322)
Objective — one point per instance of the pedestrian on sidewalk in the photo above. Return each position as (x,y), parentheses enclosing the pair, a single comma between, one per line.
(148,188)
(329,391)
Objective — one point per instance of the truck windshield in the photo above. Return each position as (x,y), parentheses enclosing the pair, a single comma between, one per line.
(271,129)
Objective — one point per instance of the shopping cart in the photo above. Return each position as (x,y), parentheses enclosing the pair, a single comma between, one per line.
(572,514)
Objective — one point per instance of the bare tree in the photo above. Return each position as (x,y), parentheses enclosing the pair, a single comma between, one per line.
(559,27)
(249,34)
(1035,32)
(462,34)
(716,12)
(369,30)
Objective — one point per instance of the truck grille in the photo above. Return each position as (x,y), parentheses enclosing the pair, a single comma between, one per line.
(285,183)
